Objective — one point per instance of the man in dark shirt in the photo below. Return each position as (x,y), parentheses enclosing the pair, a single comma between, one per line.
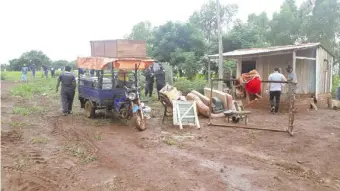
(45,71)
(52,72)
(68,87)
(33,70)
(160,79)
(92,73)
(149,79)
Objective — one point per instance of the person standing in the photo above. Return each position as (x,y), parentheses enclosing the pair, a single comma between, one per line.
(45,71)
(160,79)
(149,79)
(52,72)
(291,74)
(92,73)
(33,71)
(24,71)
(275,89)
(68,87)
(292,78)
(338,93)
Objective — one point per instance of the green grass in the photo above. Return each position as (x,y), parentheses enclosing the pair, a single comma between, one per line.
(89,159)
(98,136)
(336,84)
(80,152)
(16,75)
(17,124)
(39,140)
(11,75)
(27,111)
(169,141)
(28,90)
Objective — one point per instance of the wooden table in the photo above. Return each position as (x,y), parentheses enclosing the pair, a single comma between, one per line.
(241,114)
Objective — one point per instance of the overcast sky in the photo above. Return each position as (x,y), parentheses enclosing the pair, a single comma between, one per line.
(62,29)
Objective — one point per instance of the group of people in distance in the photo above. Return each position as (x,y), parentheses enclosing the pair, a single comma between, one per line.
(32,68)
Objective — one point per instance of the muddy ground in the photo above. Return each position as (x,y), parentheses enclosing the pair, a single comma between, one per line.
(42,150)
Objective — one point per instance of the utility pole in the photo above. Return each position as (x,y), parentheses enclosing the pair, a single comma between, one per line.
(220,46)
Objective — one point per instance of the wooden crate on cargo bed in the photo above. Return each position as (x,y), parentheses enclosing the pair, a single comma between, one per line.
(118,48)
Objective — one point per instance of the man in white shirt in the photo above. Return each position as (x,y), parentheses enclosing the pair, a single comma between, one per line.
(275,89)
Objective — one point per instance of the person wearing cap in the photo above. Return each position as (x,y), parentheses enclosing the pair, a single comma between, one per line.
(292,78)
(68,87)
(291,74)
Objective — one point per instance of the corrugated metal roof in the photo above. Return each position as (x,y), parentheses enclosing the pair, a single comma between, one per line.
(256,51)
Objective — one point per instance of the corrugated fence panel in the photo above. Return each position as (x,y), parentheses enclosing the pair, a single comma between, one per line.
(305,74)
(325,70)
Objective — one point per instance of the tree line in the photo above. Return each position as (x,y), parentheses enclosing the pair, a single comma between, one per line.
(39,59)
(185,44)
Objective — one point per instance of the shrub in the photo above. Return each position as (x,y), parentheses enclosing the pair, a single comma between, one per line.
(335,84)
(3,76)
(185,86)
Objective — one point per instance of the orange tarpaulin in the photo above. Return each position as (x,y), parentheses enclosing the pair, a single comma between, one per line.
(100,63)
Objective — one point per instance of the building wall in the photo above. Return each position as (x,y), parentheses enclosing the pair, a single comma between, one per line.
(324,71)
(314,76)
(305,69)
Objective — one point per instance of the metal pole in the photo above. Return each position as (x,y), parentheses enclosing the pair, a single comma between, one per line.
(210,101)
(209,72)
(220,46)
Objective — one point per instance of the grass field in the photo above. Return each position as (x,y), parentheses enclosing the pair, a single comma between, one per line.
(11,76)
(16,75)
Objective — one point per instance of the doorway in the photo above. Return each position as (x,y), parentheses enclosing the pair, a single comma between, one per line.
(248,66)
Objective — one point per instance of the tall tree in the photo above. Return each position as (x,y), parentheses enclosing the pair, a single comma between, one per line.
(285,25)
(62,63)
(177,43)
(260,24)
(205,19)
(142,31)
(28,58)
(324,22)
(243,35)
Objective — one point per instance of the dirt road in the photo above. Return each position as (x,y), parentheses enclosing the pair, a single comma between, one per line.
(42,150)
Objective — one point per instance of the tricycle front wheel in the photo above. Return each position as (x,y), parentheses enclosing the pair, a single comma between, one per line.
(89,109)
(140,121)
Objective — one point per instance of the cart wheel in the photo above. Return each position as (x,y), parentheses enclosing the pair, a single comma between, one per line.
(89,109)
(140,122)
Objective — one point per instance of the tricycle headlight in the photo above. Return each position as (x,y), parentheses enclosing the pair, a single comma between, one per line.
(132,96)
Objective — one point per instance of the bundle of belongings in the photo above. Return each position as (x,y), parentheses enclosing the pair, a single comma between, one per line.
(250,82)
(169,93)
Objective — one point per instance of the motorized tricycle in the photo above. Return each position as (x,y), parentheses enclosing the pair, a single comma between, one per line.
(112,84)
